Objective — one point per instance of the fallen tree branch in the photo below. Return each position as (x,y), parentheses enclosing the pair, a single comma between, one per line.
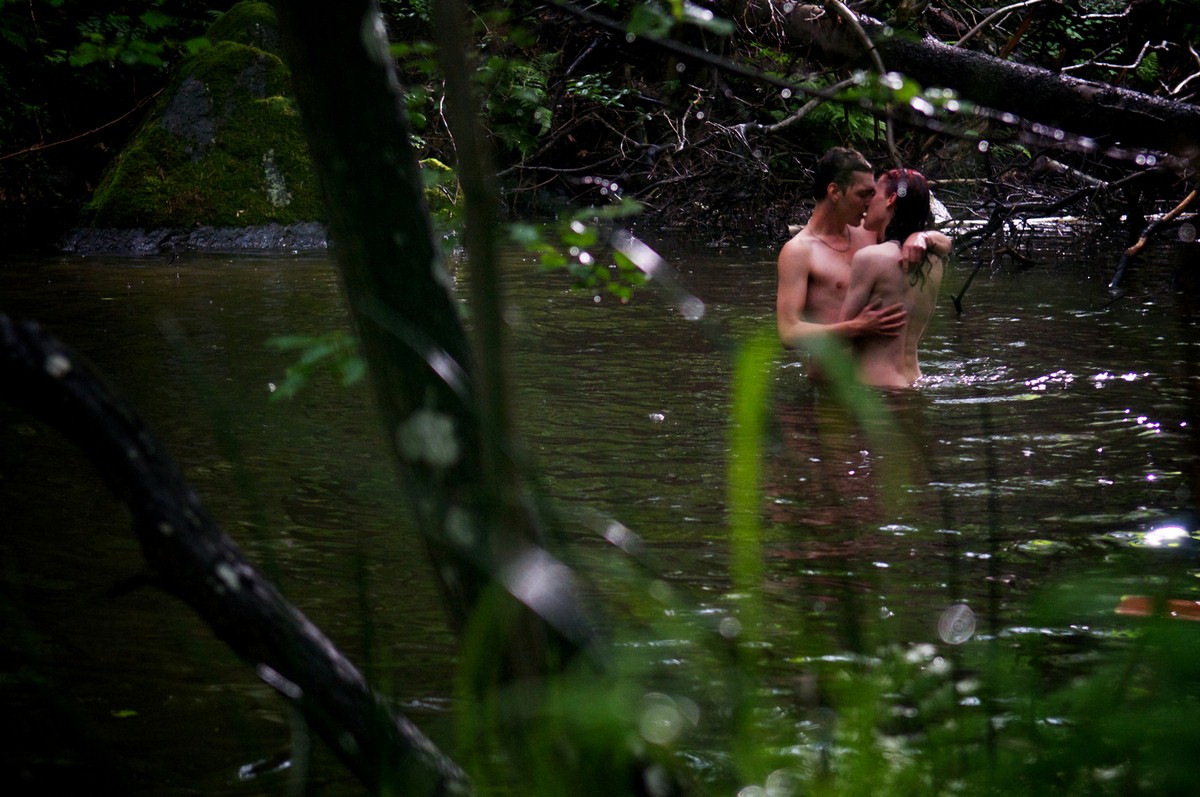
(191,558)
(1105,116)
(1003,212)
(1153,227)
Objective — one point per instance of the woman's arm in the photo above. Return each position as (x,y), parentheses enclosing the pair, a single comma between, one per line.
(917,245)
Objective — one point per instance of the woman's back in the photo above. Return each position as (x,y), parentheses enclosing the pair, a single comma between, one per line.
(879,273)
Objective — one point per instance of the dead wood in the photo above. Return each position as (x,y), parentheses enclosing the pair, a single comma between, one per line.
(1107,114)
(190,557)
(1151,229)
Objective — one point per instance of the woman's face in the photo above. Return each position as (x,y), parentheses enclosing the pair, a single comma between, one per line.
(880,209)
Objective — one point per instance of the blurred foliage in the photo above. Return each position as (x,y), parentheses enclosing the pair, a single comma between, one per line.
(335,353)
(574,245)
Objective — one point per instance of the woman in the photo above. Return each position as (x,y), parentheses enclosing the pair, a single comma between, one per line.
(881,274)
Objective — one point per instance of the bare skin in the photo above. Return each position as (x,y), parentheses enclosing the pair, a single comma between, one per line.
(814,270)
(880,274)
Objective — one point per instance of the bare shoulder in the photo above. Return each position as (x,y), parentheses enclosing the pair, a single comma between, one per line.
(796,252)
(801,240)
(877,256)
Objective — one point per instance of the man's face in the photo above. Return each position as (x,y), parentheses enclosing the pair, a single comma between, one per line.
(856,199)
(879,210)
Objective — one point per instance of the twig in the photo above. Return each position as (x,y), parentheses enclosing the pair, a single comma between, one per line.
(1179,87)
(783,124)
(957,299)
(1153,227)
(41,147)
(1141,242)
(1024,260)
(1058,167)
(996,14)
(1103,65)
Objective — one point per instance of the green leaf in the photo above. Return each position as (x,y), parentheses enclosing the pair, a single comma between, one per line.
(196,45)
(705,19)
(526,235)
(579,234)
(155,20)
(1148,69)
(649,21)
(337,352)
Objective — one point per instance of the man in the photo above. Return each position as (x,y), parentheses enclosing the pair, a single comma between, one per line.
(881,276)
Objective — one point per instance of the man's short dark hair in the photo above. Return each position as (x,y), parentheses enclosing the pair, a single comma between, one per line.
(837,166)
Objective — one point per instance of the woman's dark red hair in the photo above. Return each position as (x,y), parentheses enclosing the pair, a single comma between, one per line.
(912,203)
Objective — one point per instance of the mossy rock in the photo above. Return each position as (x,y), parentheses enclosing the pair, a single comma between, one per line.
(224,147)
(252,24)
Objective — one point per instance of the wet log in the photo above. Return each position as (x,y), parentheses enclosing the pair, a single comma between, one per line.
(190,557)
(1111,115)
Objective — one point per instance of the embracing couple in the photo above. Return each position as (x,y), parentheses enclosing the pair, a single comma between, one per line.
(864,268)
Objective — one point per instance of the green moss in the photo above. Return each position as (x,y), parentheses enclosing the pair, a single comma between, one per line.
(249,23)
(224,146)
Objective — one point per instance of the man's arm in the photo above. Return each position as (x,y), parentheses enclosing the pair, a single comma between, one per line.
(792,297)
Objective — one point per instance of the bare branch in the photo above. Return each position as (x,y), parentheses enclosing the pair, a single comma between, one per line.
(1136,62)
(49,145)
(995,15)
(1178,88)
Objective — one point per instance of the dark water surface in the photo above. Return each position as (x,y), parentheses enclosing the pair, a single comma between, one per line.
(1053,428)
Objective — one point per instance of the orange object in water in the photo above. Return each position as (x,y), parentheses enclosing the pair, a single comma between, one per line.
(1141,606)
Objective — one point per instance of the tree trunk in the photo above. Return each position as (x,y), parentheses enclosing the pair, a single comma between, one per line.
(470,499)
(1113,116)
(416,348)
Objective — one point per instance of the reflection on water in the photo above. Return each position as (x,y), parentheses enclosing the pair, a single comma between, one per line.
(1052,427)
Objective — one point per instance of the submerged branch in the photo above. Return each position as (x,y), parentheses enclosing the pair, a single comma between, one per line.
(1132,252)
(192,558)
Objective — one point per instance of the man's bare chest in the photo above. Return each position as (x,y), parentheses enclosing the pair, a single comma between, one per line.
(831,277)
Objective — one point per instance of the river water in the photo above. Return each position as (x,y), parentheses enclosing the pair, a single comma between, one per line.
(1053,428)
